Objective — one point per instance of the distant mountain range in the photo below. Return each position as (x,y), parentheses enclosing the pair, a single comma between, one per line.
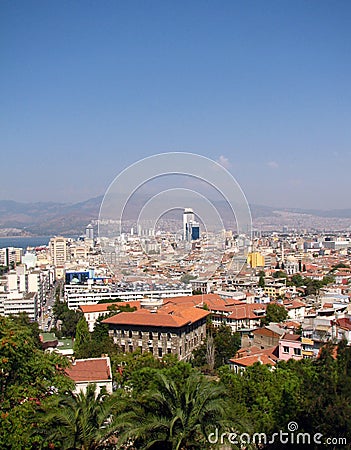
(49,218)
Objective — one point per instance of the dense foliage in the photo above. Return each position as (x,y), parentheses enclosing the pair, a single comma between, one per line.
(165,403)
(67,318)
(93,345)
(311,287)
(274,313)
(28,377)
(220,345)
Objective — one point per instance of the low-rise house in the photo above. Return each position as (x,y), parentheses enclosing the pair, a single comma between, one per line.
(251,356)
(290,346)
(342,329)
(91,371)
(267,336)
(275,290)
(296,309)
(65,347)
(48,341)
(246,316)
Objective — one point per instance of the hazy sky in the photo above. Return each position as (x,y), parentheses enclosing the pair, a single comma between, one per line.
(89,87)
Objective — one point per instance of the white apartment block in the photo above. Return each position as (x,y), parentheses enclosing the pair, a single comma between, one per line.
(79,295)
(10,255)
(18,302)
(24,291)
(58,247)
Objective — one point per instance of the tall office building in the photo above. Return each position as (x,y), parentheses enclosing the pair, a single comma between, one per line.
(194,231)
(188,218)
(58,250)
(191,229)
(89,232)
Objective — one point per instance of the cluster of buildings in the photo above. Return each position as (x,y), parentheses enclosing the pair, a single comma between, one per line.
(24,289)
(173,300)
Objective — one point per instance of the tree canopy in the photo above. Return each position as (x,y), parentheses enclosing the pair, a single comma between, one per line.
(274,313)
(164,403)
(69,318)
(28,376)
(224,346)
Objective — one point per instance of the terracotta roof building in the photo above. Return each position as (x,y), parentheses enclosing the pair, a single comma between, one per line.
(253,355)
(92,370)
(177,329)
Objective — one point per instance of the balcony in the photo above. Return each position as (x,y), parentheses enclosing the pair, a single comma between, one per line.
(307,353)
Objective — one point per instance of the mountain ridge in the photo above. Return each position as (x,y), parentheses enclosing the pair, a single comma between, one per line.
(41,218)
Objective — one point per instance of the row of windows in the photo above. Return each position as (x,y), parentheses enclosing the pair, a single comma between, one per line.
(297,351)
(140,334)
(235,321)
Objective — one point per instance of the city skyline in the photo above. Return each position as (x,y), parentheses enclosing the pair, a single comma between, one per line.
(262,88)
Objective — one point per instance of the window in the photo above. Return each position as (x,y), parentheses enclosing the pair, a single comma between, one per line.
(297,351)
(130,333)
(150,335)
(285,349)
(140,335)
(159,336)
(169,350)
(122,333)
(160,352)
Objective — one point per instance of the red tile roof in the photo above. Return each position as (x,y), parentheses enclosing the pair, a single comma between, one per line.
(247,311)
(294,304)
(266,332)
(93,369)
(266,356)
(174,318)
(291,324)
(195,299)
(344,323)
(247,351)
(291,337)
(213,301)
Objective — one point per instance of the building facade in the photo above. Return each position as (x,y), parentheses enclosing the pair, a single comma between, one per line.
(178,331)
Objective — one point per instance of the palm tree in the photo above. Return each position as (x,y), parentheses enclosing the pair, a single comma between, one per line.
(174,416)
(81,421)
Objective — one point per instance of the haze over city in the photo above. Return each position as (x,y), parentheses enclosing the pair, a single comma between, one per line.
(261,87)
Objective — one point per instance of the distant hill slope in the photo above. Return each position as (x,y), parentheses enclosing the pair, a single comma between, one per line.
(43,218)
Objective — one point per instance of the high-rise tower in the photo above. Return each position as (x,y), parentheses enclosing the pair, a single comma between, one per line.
(89,232)
(188,218)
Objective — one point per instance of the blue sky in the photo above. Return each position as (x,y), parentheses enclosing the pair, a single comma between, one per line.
(89,87)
